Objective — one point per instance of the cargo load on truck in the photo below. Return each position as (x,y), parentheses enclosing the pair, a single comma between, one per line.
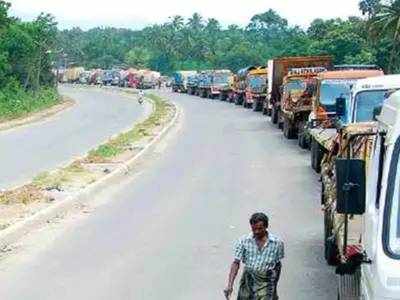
(212,82)
(277,70)
(256,88)
(360,196)
(72,74)
(240,85)
(193,84)
(323,119)
(179,80)
(299,86)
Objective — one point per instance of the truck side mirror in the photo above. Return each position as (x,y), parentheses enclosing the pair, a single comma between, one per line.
(340,106)
(350,186)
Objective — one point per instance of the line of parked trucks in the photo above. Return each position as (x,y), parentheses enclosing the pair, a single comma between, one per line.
(133,78)
(348,116)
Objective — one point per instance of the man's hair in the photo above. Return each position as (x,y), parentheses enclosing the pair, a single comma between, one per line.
(259,217)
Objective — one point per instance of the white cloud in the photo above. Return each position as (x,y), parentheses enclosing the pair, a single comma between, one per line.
(136,14)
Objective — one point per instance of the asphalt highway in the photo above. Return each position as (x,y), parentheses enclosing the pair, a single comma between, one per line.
(28,150)
(167,231)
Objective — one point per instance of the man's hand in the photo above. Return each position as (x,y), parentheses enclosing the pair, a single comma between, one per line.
(228,292)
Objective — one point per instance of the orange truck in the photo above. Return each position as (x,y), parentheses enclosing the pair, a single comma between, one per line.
(331,86)
(256,88)
(278,69)
(299,87)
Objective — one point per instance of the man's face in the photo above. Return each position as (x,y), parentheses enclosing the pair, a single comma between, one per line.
(259,230)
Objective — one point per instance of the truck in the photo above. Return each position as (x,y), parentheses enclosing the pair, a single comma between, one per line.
(193,84)
(179,80)
(72,74)
(256,88)
(277,70)
(320,129)
(226,89)
(360,196)
(240,84)
(211,83)
(298,88)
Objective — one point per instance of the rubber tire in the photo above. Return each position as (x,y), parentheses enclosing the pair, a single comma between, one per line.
(280,124)
(288,129)
(316,156)
(274,115)
(302,140)
(256,105)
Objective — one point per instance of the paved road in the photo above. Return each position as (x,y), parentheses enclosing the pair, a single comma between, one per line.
(168,233)
(29,150)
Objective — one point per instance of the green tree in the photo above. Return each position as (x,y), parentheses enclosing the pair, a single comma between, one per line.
(138,57)
(385,24)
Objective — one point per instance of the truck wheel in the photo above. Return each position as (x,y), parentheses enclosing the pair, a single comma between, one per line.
(265,111)
(288,130)
(255,105)
(210,95)
(302,139)
(274,115)
(316,156)
(280,122)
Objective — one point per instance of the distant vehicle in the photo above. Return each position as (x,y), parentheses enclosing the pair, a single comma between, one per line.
(256,88)
(72,74)
(192,84)
(107,77)
(84,77)
(116,77)
(179,80)
(211,83)
(240,85)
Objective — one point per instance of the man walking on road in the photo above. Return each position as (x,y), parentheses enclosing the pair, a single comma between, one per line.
(261,252)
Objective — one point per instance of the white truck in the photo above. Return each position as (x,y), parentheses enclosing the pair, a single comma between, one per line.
(360,195)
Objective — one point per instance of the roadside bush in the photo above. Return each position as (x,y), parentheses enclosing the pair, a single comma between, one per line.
(16,102)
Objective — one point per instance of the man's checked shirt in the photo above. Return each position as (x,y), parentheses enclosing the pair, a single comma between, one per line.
(247,251)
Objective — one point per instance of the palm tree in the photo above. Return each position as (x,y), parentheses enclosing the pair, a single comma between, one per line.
(386,23)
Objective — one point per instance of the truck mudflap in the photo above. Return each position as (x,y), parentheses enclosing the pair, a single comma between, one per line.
(349,274)
(349,286)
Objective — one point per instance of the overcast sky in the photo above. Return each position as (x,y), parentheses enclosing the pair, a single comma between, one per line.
(137,14)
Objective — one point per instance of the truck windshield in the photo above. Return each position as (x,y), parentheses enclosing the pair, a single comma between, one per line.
(295,85)
(332,89)
(368,105)
(257,81)
(221,78)
(393,213)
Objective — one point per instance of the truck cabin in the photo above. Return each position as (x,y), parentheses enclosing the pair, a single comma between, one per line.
(378,202)
(368,97)
(221,78)
(300,84)
(257,80)
(241,83)
(333,85)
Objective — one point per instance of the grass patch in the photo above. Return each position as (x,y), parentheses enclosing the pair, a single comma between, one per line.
(15,102)
(119,144)
(25,195)
(62,177)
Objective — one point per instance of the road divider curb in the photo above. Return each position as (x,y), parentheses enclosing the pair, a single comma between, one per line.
(15,232)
